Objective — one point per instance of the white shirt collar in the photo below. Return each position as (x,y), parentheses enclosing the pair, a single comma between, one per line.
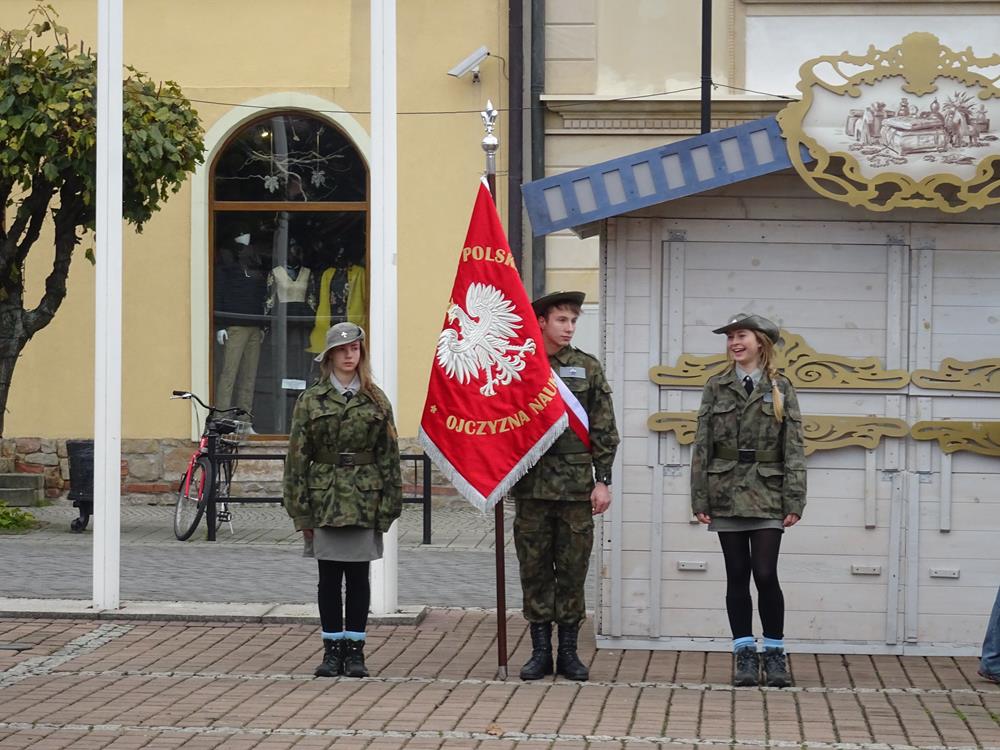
(354,386)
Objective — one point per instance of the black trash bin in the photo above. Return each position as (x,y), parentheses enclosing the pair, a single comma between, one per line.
(81,479)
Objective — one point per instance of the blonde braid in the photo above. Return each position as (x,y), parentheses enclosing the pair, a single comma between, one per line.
(767,360)
(779,404)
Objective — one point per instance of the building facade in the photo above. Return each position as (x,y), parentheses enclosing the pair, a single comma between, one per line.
(232,283)
(889,313)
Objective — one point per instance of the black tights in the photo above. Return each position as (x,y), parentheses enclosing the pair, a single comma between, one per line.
(332,574)
(754,552)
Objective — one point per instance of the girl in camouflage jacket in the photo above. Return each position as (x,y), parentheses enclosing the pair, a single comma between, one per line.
(748,482)
(342,489)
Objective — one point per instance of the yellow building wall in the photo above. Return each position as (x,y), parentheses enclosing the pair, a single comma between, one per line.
(224,52)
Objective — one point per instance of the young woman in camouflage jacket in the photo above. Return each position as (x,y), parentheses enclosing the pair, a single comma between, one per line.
(343,489)
(748,483)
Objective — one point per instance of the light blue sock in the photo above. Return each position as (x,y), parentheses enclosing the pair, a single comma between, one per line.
(332,636)
(778,643)
(354,636)
(743,642)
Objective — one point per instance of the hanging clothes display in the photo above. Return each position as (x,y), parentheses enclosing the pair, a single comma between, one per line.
(343,295)
(291,295)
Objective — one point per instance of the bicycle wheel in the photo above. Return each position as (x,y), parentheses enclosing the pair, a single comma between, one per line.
(192,497)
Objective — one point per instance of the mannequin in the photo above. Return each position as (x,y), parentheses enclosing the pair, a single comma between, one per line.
(239,306)
(343,296)
(291,296)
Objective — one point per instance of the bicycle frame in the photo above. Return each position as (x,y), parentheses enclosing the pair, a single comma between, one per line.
(209,447)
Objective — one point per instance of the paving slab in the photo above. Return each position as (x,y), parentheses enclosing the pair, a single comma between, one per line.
(201,684)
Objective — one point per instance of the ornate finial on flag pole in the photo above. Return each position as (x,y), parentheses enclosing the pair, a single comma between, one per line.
(490,145)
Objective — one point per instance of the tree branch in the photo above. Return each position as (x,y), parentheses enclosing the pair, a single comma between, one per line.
(66,218)
(31,213)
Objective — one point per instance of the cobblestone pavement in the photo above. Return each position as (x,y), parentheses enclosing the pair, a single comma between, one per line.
(53,563)
(124,685)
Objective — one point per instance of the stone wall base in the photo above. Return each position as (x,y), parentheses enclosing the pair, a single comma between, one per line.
(151,469)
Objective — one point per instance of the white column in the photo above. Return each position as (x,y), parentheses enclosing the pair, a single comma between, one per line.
(108,308)
(383,317)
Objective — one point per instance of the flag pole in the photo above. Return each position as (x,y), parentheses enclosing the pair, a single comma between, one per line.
(490,144)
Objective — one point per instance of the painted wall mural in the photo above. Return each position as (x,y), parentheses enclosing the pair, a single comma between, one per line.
(916,125)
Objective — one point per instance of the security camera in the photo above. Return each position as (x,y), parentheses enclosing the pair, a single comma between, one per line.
(470,64)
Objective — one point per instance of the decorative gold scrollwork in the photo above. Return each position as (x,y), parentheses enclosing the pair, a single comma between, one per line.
(801,364)
(682,423)
(806,368)
(919,154)
(953,435)
(827,433)
(690,370)
(981,375)
(822,433)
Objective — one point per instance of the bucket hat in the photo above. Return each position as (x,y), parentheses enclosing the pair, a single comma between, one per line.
(752,323)
(542,304)
(340,334)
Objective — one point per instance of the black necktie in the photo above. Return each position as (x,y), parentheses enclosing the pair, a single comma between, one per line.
(348,395)
(748,384)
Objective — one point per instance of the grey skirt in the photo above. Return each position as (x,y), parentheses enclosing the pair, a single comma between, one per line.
(741,523)
(344,544)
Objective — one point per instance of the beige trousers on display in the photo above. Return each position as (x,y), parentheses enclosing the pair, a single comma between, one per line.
(241,352)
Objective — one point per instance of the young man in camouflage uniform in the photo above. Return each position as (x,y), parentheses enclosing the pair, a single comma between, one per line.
(557,499)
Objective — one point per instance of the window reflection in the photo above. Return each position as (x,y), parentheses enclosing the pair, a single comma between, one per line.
(281,278)
(291,157)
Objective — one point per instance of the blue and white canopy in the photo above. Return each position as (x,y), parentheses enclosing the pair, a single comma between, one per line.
(583,196)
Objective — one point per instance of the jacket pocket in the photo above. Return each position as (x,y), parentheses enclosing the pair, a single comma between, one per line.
(772,475)
(725,421)
(368,482)
(721,483)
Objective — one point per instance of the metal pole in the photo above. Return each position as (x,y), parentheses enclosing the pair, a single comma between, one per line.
(706,66)
(515,132)
(108,310)
(538,260)
(490,144)
(383,311)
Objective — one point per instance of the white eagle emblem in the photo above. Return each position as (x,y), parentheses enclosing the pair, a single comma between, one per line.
(483,340)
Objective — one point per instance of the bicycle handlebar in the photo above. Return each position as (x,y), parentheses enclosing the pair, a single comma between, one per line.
(211,409)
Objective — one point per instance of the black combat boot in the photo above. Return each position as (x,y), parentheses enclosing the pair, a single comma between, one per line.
(746,668)
(354,658)
(776,668)
(333,659)
(568,664)
(540,663)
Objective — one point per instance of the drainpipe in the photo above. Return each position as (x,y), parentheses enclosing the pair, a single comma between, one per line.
(515,130)
(537,134)
(706,66)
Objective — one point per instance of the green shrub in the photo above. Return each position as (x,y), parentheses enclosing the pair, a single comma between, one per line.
(15,520)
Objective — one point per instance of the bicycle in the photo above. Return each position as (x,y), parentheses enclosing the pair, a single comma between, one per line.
(207,476)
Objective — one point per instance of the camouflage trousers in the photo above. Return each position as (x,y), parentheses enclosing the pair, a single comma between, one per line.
(554,539)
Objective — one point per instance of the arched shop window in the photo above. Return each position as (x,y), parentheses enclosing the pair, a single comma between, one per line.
(289,229)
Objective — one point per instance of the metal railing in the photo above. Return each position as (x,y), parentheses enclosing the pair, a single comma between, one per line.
(418,491)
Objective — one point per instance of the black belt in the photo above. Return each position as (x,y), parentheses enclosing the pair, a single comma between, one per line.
(345,459)
(746,455)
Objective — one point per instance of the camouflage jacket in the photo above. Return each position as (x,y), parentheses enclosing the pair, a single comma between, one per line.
(320,493)
(566,471)
(730,419)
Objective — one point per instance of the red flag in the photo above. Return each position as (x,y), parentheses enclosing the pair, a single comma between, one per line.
(492,406)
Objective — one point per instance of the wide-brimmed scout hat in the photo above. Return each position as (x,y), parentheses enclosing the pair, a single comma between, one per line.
(542,304)
(752,323)
(340,334)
